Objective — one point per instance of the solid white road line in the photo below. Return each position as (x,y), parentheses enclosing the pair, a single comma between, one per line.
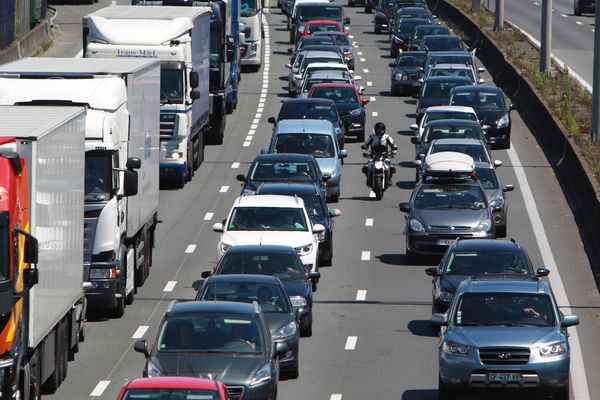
(224,189)
(170,286)
(578,375)
(208,216)
(192,247)
(101,387)
(579,22)
(361,295)
(351,343)
(140,332)
(369,222)
(336,397)
(235,165)
(365,256)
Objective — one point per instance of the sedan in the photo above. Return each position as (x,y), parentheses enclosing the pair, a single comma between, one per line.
(446,129)
(401,35)
(405,77)
(421,31)
(443,112)
(435,91)
(443,43)
(309,41)
(342,40)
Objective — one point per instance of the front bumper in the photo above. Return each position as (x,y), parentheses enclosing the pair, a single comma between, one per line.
(406,85)
(253,56)
(172,169)
(310,260)
(498,137)
(435,244)
(288,352)
(103,292)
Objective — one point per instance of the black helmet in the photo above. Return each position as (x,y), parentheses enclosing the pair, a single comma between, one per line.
(379,128)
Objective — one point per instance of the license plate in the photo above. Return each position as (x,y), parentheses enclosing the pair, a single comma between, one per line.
(504,377)
(444,242)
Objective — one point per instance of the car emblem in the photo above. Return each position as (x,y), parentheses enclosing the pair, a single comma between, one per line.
(452,228)
(504,356)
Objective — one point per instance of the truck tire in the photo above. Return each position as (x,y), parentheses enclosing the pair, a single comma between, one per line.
(30,374)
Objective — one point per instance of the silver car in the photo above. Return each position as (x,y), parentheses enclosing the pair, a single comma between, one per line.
(504,333)
(302,61)
(323,77)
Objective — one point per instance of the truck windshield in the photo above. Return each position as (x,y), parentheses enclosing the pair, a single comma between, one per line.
(98,177)
(4,249)
(215,43)
(249,7)
(171,85)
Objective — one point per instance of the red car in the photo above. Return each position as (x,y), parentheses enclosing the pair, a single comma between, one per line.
(175,387)
(349,105)
(321,26)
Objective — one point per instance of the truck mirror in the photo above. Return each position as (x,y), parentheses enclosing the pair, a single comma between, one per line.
(133,163)
(130,183)
(31,252)
(230,48)
(194,80)
(31,277)
(194,95)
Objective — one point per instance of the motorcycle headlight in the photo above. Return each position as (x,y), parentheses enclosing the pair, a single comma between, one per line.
(398,77)
(304,250)
(416,225)
(502,122)
(553,349)
(497,202)
(484,225)
(153,370)
(456,349)
(262,376)
(298,301)
(223,247)
(356,111)
(286,331)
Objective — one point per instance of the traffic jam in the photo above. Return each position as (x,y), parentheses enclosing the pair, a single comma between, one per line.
(87,144)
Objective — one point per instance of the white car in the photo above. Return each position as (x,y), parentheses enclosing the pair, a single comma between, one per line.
(443,112)
(271,220)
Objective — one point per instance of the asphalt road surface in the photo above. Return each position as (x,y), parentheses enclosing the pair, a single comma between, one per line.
(370,293)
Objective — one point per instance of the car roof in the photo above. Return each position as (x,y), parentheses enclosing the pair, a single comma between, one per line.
(240,278)
(411,19)
(294,157)
(217,307)
(312,100)
(322,47)
(414,8)
(320,3)
(267,248)
(349,85)
(477,88)
(269,200)
(434,79)
(488,244)
(412,53)
(432,124)
(465,141)
(506,284)
(288,188)
(172,382)
(304,126)
(463,109)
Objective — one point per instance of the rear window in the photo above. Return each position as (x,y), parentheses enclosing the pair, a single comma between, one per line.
(312,28)
(311,12)
(340,95)
(410,60)
(451,132)
(308,111)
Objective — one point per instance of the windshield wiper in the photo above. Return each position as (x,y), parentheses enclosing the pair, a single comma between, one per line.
(164,99)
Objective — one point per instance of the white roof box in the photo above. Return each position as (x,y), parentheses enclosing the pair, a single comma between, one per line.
(449,162)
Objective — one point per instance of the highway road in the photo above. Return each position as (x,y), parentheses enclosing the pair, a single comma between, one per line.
(572,37)
(370,292)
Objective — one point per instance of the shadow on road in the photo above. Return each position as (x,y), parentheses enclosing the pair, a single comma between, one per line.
(420,394)
(421,328)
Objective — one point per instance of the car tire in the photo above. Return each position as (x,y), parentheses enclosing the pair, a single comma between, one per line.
(360,137)
(444,392)
(306,326)
(368,9)
(377,30)
(294,373)
(335,198)
(562,393)
(576,9)
(501,231)
(394,90)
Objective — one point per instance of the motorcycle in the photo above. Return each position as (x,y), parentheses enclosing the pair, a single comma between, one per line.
(379,172)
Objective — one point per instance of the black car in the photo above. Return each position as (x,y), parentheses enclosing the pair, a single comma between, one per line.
(435,91)
(316,11)
(344,43)
(443,43)
(491,109)
(279,261)
(446,129)
(416,40)
(317,210)
(403,32)
(405,74)
(221,340)
(275,304)
(283,167)
(410,12)
(309,41)
(584,6)
(467,258)
(383,14)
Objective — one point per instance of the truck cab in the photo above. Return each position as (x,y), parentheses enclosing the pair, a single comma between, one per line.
(251,15)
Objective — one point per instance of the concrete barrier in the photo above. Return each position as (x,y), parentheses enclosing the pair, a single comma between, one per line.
(28,45)
(574,175)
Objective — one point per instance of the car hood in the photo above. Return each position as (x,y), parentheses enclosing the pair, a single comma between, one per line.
(489,116)
(505,336)
(267,237)
(405,70)
(295,287)
(491,193)
(344,109)
(453,217)
(229,368)
(327,165)
(277,320)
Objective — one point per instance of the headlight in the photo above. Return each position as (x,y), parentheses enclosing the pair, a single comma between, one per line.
(248,191)
(261,377)
(176,155)
(298,301)
(398,77)
(153,370)
(286,331)
(484,225)
(502,122)
(356,111)
(416,225)
(103,273)
(223,247)
(455,349)
(301,29)
(446,296)
(553,349)
(349,56)
(378,164)
(398,40)
(304,250)
(497,202)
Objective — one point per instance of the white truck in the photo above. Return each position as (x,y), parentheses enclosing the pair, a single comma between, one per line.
(42,300)
(180,38)
(121,160)
(251,15)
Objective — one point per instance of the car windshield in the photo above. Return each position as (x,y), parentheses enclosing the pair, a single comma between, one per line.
(464,58)
(99,176)
(248,7)
(421,32)
(464,72)
(275,171)
(408,26)
(299,59)
(439,90)
(320,146)
(285,266)
(439,131)
(170,394)
(450,43)
(315,40)
(477,152)
(340,95)
(341,40)
(492,101)
(210,334)
(435,115)
(504,309)
(171,85)
(487,262)
(450,197)
(313,81)
(487,177)
(270,298)
(311,12)
(325,27)
(267,219)
(410,60)
(296,110)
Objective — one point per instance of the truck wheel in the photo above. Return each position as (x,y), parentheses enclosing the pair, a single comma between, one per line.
(119,310)
(30,375)
(577,9)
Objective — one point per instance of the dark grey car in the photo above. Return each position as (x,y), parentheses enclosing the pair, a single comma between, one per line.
(435,91)
(446,129)
(421,31)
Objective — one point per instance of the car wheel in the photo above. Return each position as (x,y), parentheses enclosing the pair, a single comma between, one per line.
(501,231)
(360,137)
(306,326)
(436,327)
(294,373)
(576,9)
(562,393)
(377,30)
(444,392)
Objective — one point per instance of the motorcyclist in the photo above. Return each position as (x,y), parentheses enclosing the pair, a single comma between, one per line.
(380,142)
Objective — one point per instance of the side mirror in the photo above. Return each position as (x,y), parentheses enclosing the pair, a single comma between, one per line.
(314,275)
(512,107)
(347,20)
(241,177)
(414,127)
(343,153)
(497,163)
(133,163)
(404,207)
(297,76)
(420,69)
(415,140)
(31,277)
(194,80)
(205,274)
(290,51)
(130,183)
(508,188)
(325,177)
(434,271)
(415,95)
(542,272)
(272,120)
(318,228)
(391,64)
(365,101)
(361,89)
(141,346)
(439,319)
(569,320)
(194,95)
(218,227)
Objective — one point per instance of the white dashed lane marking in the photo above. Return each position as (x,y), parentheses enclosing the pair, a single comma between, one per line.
(365,256)
(336,396)
(102,385)
(351,343)
(192,247)
(369,83)
(170,286)
(246,144)
(579,22)
(362,60)
(374,113)
(369,222)
(359,53)
(373,98)
(365,70)
(361,295)
(235,165)
(208,216)
(224,189)
(140,332)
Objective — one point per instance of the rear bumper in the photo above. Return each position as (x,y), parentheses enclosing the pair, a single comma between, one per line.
(170,170)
